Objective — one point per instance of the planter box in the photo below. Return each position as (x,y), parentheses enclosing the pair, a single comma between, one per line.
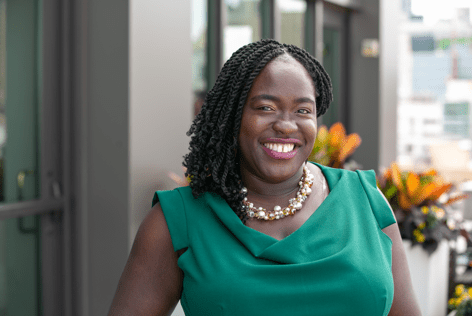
(430,277)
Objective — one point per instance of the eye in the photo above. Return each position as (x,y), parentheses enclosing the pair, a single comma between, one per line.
(265,108)
(304,111)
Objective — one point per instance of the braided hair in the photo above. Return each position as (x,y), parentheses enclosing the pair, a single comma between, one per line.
(213,161)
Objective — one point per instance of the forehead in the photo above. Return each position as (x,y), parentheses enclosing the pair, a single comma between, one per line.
(283,74)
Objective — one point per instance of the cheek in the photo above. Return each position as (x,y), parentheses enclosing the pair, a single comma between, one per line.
(246,132)
(311,131)
(253,126)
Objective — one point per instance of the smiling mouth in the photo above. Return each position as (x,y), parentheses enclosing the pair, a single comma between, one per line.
(280,151)
(279,147)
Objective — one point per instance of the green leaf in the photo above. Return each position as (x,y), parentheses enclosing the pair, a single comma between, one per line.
(390,192)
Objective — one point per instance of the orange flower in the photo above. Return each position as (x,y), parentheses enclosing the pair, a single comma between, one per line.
(404,201)
(387,174)
(353,141)
(429,172)
(425,192)
(337,134)
(412,184)
(397,177)
(439,191)
(332,147)
(457,198)
(415,188)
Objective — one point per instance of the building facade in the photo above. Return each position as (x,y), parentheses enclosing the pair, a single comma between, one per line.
(95,101)
(435,75)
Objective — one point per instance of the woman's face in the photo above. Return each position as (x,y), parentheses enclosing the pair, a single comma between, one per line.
(278,126)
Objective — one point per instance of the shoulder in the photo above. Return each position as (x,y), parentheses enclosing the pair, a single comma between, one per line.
(179,193)
(325,171)
(153,239)
(151,283)
(185,192)
(333,173)
(153,230)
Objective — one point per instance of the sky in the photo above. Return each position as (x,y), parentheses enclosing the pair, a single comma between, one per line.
(435,10)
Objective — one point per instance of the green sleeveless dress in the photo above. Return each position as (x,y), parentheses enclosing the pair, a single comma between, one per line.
(337,263)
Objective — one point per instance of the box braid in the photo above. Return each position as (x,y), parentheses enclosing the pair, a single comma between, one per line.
(213,161)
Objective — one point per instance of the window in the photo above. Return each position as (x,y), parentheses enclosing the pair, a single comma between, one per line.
(199,41)
(456,119)
(292,18)
(243,25)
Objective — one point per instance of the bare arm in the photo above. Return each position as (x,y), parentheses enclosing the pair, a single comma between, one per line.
(404,298)
(151,283)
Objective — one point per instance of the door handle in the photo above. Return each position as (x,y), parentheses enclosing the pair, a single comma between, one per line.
(20,178)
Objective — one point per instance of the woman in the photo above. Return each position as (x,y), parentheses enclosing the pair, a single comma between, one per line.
(260,231)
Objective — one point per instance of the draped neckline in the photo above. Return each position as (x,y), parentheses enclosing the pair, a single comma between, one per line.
(258,242)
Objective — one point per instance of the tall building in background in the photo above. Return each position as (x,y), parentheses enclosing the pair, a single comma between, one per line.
(435,84)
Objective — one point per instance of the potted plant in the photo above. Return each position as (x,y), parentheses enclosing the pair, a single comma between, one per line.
(332,147)
(421,203)
(461,302)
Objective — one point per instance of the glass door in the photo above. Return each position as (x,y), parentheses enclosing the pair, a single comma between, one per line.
(331,61)
(22,207)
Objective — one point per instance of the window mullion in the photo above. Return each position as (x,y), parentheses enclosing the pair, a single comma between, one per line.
(310,27)
(267,9)
(214,41)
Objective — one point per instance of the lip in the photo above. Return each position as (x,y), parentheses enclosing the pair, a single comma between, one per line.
(282,141)
(276,155)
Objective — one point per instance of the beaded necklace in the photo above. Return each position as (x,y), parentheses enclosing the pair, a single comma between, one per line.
(295,204)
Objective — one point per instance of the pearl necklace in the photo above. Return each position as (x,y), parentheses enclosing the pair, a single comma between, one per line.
(295,204)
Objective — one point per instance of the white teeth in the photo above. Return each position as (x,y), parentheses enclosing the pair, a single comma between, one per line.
(281,148)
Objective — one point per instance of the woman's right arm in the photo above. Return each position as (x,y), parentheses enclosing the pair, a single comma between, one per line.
(151,283)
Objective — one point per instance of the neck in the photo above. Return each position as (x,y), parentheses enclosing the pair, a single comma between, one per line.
(259,188)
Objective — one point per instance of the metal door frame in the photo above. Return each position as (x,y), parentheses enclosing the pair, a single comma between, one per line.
(338,17)
(54,142)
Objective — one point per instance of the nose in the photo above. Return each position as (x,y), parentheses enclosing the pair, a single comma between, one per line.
(285,124)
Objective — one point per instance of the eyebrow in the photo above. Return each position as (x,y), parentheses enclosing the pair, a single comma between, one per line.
(274,98)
